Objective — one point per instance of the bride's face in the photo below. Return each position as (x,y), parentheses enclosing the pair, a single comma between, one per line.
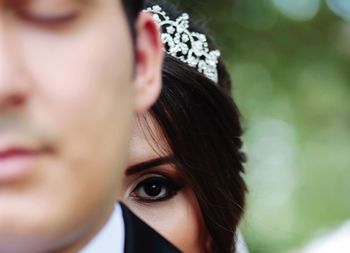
(155,190)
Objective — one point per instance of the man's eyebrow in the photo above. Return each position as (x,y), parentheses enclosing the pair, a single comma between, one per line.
(139,167)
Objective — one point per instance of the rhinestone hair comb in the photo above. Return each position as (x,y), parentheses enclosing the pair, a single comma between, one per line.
(190,47)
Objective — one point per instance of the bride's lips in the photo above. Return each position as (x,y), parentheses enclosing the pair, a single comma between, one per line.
(18,160)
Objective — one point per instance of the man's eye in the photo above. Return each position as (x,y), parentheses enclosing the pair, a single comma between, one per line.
(155,188)
(47,19)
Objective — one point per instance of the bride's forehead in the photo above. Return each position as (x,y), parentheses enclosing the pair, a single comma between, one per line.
(147,141)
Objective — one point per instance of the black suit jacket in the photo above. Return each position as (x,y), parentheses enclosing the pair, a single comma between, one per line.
(139,237)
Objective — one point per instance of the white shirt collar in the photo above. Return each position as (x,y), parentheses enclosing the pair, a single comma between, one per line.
(111,238)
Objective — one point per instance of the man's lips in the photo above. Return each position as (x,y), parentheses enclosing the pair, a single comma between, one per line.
(17,152)
(16,163)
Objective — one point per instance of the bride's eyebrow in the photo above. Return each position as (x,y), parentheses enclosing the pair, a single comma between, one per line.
(149,164)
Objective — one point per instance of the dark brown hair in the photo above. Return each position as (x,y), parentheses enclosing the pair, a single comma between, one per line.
(201,125)
(132,9)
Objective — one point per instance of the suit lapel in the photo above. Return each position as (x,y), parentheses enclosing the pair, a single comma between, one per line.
(139,237)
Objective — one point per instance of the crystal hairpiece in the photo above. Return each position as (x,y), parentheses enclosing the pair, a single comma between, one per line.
(189,47)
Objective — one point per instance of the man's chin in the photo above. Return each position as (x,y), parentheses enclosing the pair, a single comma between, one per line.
(29,239)
(29,229)
(25,245)
(37,244)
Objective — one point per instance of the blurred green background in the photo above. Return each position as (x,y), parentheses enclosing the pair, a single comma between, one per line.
(290,62)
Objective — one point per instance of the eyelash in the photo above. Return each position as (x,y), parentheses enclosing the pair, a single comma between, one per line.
(168,189)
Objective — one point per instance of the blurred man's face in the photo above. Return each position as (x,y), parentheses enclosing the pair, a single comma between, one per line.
(66,89)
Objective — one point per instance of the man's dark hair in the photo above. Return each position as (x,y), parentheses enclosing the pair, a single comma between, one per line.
(132,9)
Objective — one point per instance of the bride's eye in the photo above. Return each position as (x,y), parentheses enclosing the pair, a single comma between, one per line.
(155,188)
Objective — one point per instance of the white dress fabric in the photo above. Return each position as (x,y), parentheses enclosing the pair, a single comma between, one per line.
(240,244)
(337,241)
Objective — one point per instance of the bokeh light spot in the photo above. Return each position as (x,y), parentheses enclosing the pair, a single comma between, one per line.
(298,9)
(340,7)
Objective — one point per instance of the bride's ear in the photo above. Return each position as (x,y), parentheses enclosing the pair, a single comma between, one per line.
(149,61)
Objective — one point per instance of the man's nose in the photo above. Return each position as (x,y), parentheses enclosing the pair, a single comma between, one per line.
(12,85)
